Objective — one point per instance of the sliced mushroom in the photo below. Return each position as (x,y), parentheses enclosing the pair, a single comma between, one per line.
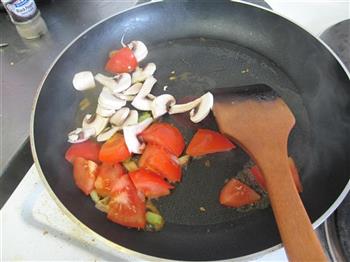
(133,90)
(150,96)
(143,104)
(130,135)
(123,81)
(124,97)
(141,75)
(109,101)
(115,84)
(105,112)
(132,118)
(202,110)
(120,116)
(80,135)
(161,104)
(139,49)
(108,133)
(97,122)
(146,87)
(83,81)
(181,108)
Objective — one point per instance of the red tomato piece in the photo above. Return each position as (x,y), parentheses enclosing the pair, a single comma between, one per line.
(84,172)
(88,150)
(261,180)
(236,194)
(149,183)
(107,176)
(126,207)
(160,161)
(122,61)
(258,176)
(206,141)
(114,150)
(165,135)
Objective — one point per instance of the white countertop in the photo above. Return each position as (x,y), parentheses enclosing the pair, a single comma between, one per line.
(34,228)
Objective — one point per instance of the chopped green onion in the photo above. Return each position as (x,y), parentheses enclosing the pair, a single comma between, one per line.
(130,165)
(155,220)
(94,196)
(102,207)
(184,160)
(143,116)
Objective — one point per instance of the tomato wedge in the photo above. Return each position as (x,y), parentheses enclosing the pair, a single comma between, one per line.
(122,61)
(261,180)
(126,207)
(88,150)
(107,176)
(207,141)
(164,135)
(236,194)
(84,173)
(149,183)
(114,150)
(160,161)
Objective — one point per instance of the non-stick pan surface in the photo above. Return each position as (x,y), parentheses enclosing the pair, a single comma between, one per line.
(208,44)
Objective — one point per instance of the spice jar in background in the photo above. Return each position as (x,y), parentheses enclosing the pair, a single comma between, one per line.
(26,17)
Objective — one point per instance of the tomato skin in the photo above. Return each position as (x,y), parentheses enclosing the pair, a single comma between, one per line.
(121,61)
(84,173)
(261,180)
(164,135)
(114,150)
(236,194)
(149,183)
(160,161)
(207,141)
(88,150)
(126,207)
(107,176)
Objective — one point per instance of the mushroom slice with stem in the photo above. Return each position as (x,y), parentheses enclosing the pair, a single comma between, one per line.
(108,133)
(181,108)
(83,81)
(115,84)
(161,104)
(120,116)
(130,135)
(80,135)
(96,122)
(109,101)
(132,118)
(133,90)
(141,75)
(139,49)
(201,111)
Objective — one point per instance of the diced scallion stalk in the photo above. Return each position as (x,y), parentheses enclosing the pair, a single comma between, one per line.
(94,196)
(155,220)
(184,160)
(130,165)
(143,116)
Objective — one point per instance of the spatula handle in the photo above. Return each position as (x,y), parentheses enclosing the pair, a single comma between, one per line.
(299,239)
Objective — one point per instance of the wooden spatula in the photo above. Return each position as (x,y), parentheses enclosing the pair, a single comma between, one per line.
(260,122)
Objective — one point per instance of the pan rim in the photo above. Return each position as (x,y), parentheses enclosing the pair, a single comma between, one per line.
(131,252)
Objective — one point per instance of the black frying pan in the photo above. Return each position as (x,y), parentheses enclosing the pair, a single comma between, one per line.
(208,44)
